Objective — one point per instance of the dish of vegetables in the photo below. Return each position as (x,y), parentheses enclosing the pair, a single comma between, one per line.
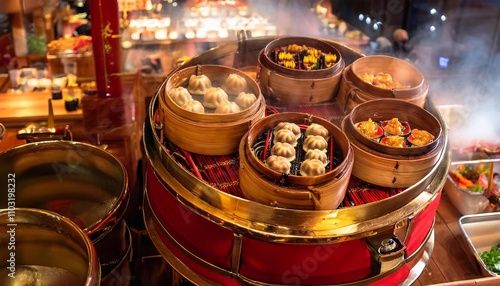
(472,178)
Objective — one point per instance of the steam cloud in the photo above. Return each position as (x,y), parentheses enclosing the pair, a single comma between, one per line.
(470,84)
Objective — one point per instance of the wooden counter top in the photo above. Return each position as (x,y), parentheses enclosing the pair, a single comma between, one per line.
(17,109)
(451,262)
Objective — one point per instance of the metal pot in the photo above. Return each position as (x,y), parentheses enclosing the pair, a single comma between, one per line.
(82,182)
(44,248)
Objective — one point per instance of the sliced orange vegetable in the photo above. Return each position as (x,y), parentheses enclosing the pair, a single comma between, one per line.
(464,180)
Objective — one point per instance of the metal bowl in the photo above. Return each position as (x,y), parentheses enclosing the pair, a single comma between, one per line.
(466,201)
(77,180)
(45,248)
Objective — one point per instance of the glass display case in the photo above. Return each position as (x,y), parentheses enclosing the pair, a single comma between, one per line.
(154,38)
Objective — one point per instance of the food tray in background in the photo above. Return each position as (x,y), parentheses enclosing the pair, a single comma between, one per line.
(481,232)
(472,202)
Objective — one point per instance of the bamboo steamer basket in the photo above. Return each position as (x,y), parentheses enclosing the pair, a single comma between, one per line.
(260,183)
(385,109)
(285,86)
(383,166)
(207,133)
(353,90)
(324,46)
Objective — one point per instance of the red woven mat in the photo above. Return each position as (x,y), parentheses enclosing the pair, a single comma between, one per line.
(222,172)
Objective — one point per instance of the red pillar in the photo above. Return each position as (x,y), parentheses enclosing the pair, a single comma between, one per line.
(105,23)
(112,108)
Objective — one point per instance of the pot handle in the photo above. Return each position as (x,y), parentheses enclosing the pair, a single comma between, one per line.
(268,89)
(158,123)
(38,133)
(2,131)
(351,95)
(35,132)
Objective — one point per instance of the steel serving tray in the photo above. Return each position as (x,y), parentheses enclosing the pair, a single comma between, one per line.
(481,232)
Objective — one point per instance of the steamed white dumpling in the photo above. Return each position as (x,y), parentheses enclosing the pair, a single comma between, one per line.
(234,84)
(194,106)
(244,99)
(180,95)
(199,84)
(227,107)
(214,97)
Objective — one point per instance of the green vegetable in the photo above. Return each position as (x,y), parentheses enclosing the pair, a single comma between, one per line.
(471,172)
(36,44)
(492,259)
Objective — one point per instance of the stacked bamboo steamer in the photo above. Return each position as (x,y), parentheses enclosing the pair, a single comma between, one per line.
(383,165)
(239,227)
(260,183)
(354,90)
(288,86)
(207,133)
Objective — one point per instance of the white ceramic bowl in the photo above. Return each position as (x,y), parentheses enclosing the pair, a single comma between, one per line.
(60,81)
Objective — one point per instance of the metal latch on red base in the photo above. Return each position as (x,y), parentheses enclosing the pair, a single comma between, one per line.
(388,252)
